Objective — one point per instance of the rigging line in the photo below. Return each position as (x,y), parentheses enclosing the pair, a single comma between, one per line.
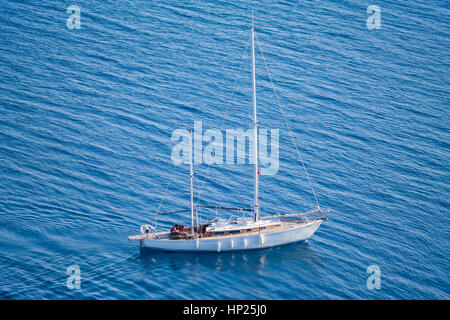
(162,198)
(172,212)
(287,124)
(209,207)
(200,190)
(160,204)
(223,119)
(226,208)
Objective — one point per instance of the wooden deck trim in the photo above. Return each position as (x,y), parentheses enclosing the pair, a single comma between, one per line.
(284,225)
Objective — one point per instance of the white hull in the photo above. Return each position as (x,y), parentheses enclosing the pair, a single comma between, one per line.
(287,233)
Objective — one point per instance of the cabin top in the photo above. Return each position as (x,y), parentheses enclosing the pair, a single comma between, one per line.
(236,223)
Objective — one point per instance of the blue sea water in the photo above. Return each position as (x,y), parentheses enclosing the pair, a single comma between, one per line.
(86,118)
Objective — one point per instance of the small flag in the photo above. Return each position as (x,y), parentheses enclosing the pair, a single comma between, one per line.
(259,172)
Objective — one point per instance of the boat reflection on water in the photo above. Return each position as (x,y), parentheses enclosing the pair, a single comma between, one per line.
(259,261)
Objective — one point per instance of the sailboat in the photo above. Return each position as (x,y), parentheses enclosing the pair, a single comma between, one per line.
(235,233)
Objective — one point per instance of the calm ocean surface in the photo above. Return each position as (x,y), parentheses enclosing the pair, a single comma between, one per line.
(86,118)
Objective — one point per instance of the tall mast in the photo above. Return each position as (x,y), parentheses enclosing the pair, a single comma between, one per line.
(191,170)
(255,124)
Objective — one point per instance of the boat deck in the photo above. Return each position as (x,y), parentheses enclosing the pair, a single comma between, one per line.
(165,235)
